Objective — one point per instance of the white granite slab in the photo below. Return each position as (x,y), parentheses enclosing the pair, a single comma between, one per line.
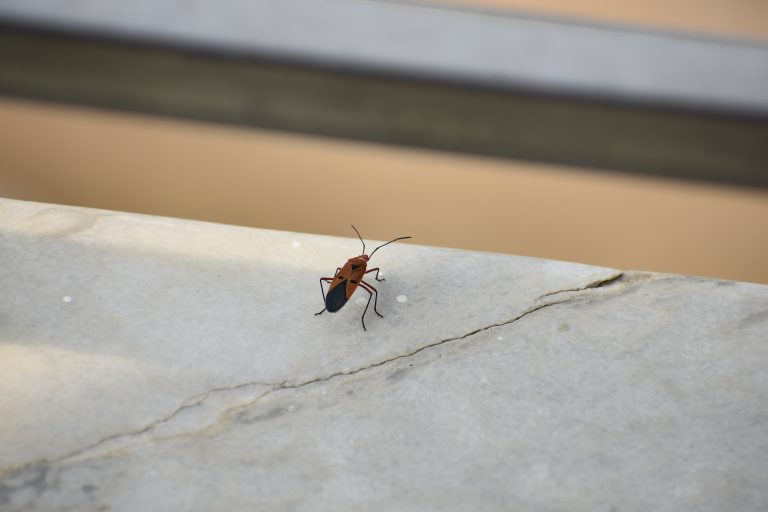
(160,364)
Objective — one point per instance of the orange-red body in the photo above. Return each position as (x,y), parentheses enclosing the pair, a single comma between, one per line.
(350,275)
(345,282)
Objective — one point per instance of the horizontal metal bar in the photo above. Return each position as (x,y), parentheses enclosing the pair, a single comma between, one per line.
(421,76)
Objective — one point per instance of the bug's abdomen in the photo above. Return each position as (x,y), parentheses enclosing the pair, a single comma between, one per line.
(336,297)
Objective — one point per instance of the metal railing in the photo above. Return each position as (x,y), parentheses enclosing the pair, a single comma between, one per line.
(503,85)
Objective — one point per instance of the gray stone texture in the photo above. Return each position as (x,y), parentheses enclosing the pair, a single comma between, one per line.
(150,363)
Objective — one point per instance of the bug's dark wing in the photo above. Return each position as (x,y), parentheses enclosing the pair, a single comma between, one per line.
(336,297)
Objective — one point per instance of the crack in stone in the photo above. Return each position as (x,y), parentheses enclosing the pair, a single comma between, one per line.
(595,284)
(187,404)
(199,399)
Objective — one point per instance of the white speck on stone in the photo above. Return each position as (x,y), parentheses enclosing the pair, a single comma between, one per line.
(499,338)
(291,408)
(361,301)
(295,244)
(67,299)
(402,298)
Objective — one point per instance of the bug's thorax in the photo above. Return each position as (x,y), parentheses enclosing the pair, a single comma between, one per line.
(355,268)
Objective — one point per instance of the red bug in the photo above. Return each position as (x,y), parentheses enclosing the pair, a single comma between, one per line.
(347,278)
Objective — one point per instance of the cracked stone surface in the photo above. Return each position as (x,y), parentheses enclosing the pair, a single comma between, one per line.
(149,363)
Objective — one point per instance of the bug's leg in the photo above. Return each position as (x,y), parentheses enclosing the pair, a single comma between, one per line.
(377,274)
(370,288)
(366,305)
(337,271)
(327,279)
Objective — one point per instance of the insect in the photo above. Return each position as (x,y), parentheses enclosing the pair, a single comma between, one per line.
(347,278)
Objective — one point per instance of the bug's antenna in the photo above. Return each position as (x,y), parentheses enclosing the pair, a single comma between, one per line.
(382,245)
(358,236)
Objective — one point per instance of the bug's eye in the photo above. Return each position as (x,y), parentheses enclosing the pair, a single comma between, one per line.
(353,281)
(339,277)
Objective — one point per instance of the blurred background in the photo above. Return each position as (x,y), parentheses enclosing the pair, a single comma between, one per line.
(85,156)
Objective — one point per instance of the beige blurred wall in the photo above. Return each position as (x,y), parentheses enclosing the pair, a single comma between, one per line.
(222,174)
(137,163)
